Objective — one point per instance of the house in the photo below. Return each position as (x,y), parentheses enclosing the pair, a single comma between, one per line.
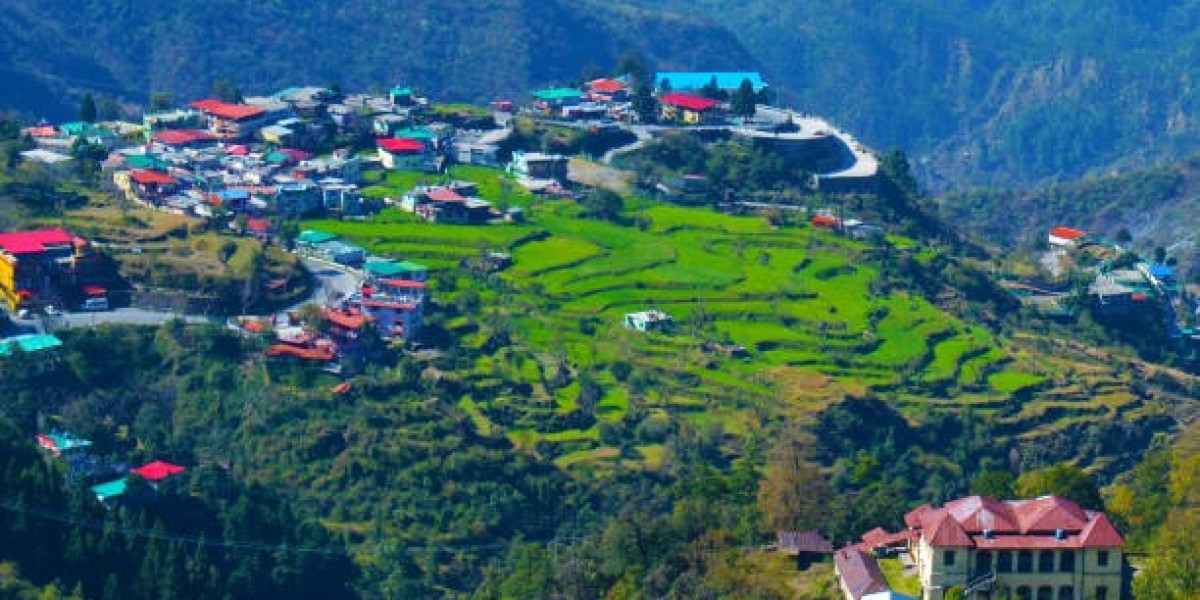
(184,138)
(858,574)
(386,125)
(229,121)
(649,320)
(295,199)
(552,99)
(726,81)
(403,270)
(57,443)
(804,545)
(1066,237)
(1047,548)
(310,240)
(585,111)
(35,265)
(445,205)
(688,109)
(41,348)
(340,252)
(401,96)
(608,90)
(339,197)
(1111,294)
(146,184)
(539,166)
(157,471)
(404,153)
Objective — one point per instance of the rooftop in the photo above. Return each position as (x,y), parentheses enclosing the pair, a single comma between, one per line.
(983,522)
(404,145)
(227,110)
(859,572)
(178,137)
(688,101)
(552,94)
(694,80)
(34,241)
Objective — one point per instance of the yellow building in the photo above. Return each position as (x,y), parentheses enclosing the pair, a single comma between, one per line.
(1048,548)
(33,264)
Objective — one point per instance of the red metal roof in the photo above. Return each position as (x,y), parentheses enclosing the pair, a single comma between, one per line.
(1100,533)
(943,531)
(258,225)
(348,319)
(34,241)
(94,290)
(158,470)
(1067,233)
(1049,513)
(824,221)
(177,137)
(401,145)
(607,86)
(237,150)
(388,304)
(688,101)
(149,177)
(302,353)
(43,131)
(443,195)
(1046,522)
(226,110)
(403,284)
(859,572)
(977,513)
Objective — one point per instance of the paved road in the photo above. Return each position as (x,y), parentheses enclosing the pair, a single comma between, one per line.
(334,282)
(121,316)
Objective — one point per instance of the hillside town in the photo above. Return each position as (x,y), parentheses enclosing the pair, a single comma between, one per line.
(255,168)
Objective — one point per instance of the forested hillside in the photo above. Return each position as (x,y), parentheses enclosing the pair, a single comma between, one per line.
(454,50)
(986,92)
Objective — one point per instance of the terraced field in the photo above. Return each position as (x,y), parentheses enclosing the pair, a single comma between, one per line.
(799,300)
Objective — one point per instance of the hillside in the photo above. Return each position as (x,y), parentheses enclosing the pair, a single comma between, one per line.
(1158,207)
(459,51)
(984,92)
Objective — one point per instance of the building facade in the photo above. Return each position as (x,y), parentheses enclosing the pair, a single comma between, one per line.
(1048,548)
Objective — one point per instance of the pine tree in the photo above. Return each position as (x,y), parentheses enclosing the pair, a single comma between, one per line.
(87,109)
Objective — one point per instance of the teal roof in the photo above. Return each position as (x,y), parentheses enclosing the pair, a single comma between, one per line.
(142,161)
(277,158)
(312,236)
(77,128)
(401,91)
(30,342)
(416,133)
(112,489)
(552,94)
(388,268)
(66,441)
(726,80)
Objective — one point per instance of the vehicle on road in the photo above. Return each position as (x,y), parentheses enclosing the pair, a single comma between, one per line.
(50,310)
(95,304)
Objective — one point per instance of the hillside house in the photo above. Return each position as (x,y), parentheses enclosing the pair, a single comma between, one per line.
(405,153)
(36,266)
(389,269)
(608,90)
(1047,548)
(536,166)
(859,575)
(1066,237)
(689,109)
(185,138)
(43,350)
(552,100)
(649,320)
(147,185)
(340,252)
(230,121)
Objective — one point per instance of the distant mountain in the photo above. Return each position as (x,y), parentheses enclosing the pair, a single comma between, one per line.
(471,51)
(985,92)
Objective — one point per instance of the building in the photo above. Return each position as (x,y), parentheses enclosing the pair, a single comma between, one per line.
(405,153)
(858,574)
(1066,237)
(539,166)
(552,99)
(340,252)
(184,138)
(42,348)
(295,199)
(649,320)
(36,265)
(688,109)
(230,121)
(400,271)
(1047,548)
(696,80)
(608,90)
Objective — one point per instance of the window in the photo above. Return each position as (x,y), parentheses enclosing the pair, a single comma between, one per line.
(983,562)
(1045,593)
(1046,561)
(1066,561)
(1066,592)
(1024,593)
(1024,563)
(1004,561)
(1102,558)
(1102,592)
(948,558)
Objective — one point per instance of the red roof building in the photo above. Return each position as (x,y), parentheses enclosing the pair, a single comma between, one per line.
(151,177)
(227,110)
(34,241)
(401,145)
(443,194)
(157,470)
(858,573)
(689,101)
(182,137)
(825,221)
(1066,236)
(1045,547)
(607,86)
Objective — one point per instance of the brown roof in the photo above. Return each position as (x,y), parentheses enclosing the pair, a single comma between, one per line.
(803,541)
(859,572)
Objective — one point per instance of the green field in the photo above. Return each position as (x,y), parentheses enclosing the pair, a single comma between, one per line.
(798,299)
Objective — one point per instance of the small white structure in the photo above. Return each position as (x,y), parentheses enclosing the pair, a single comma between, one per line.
(648,320)
(1066,237)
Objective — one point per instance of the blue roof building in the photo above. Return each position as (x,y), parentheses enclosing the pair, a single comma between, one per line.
(694,80)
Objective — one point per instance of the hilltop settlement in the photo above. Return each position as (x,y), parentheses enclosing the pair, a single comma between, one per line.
(342,235)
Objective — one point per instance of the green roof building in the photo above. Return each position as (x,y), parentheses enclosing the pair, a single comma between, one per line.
(312,237)
(397,270)
(142,161)
(416,133)
(559,96)
(111,489)
(29,343)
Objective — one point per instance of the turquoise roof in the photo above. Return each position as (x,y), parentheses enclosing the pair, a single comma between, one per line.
(388,268)
(401,91)
(66,441)
(552,94)
(30,342)
(142,161)
(416,133)
(312,236)
(411,267)
(112,489)
(726,80)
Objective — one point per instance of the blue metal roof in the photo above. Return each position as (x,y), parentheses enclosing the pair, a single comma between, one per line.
(694,80)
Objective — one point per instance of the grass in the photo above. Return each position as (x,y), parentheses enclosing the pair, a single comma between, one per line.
(893,571)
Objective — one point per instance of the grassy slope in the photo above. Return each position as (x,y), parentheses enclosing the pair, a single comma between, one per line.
(798,298)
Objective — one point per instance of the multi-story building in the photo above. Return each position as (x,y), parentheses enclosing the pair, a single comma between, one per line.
(1048,548)
(36,265)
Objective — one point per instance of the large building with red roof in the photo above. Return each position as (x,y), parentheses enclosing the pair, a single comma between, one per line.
(1047,548)
(35,264)
(230,121)
(688,108)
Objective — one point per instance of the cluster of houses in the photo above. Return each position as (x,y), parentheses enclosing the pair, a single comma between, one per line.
(1046,548)
(83,466)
